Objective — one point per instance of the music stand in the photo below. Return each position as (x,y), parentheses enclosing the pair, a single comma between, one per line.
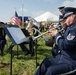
(16,35)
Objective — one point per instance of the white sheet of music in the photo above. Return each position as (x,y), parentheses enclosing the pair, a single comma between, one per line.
(17,35)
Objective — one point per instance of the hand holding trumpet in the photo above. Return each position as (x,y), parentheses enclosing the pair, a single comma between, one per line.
(52,30)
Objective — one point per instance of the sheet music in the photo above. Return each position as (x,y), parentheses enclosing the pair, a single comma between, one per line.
(17,34)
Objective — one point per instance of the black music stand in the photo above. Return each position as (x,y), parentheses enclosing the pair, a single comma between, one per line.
(16,35)
(37,64)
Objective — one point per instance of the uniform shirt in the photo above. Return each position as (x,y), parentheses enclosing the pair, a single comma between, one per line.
(2,37)
(67,43)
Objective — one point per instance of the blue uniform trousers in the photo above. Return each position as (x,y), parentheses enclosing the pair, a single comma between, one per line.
(50,66)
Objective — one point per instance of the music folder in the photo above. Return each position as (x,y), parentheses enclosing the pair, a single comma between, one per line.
(15,34)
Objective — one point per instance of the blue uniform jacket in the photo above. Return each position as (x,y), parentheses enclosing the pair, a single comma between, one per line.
(67,43)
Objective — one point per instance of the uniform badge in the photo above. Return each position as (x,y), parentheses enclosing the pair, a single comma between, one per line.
(70,37)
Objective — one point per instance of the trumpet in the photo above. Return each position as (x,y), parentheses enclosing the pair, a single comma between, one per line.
(34,38)
(42,34)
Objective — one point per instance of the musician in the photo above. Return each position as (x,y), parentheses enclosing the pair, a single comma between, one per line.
(29,31)
(66,61)
(32,29)
(51,42)
(2,37)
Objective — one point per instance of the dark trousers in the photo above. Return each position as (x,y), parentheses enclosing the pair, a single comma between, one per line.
(50,66)
(23,47)
(2,45)
(31,46)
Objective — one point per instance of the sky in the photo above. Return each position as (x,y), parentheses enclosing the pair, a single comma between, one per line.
(31,8)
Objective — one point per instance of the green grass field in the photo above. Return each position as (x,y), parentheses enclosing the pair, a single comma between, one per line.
(24,63)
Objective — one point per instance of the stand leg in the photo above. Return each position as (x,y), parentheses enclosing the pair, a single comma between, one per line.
(17,51)
(37,64)
(11,64)
(11,60)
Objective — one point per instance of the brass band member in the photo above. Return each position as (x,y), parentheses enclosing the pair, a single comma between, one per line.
(2,37)
(29,31)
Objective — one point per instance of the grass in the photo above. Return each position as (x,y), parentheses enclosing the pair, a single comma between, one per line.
(24,63)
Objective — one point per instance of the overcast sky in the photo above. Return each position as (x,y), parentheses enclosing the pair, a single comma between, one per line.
(31,8)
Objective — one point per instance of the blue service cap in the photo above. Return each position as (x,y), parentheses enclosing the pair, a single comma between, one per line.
(60,18)
(69,11)
(62,7)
